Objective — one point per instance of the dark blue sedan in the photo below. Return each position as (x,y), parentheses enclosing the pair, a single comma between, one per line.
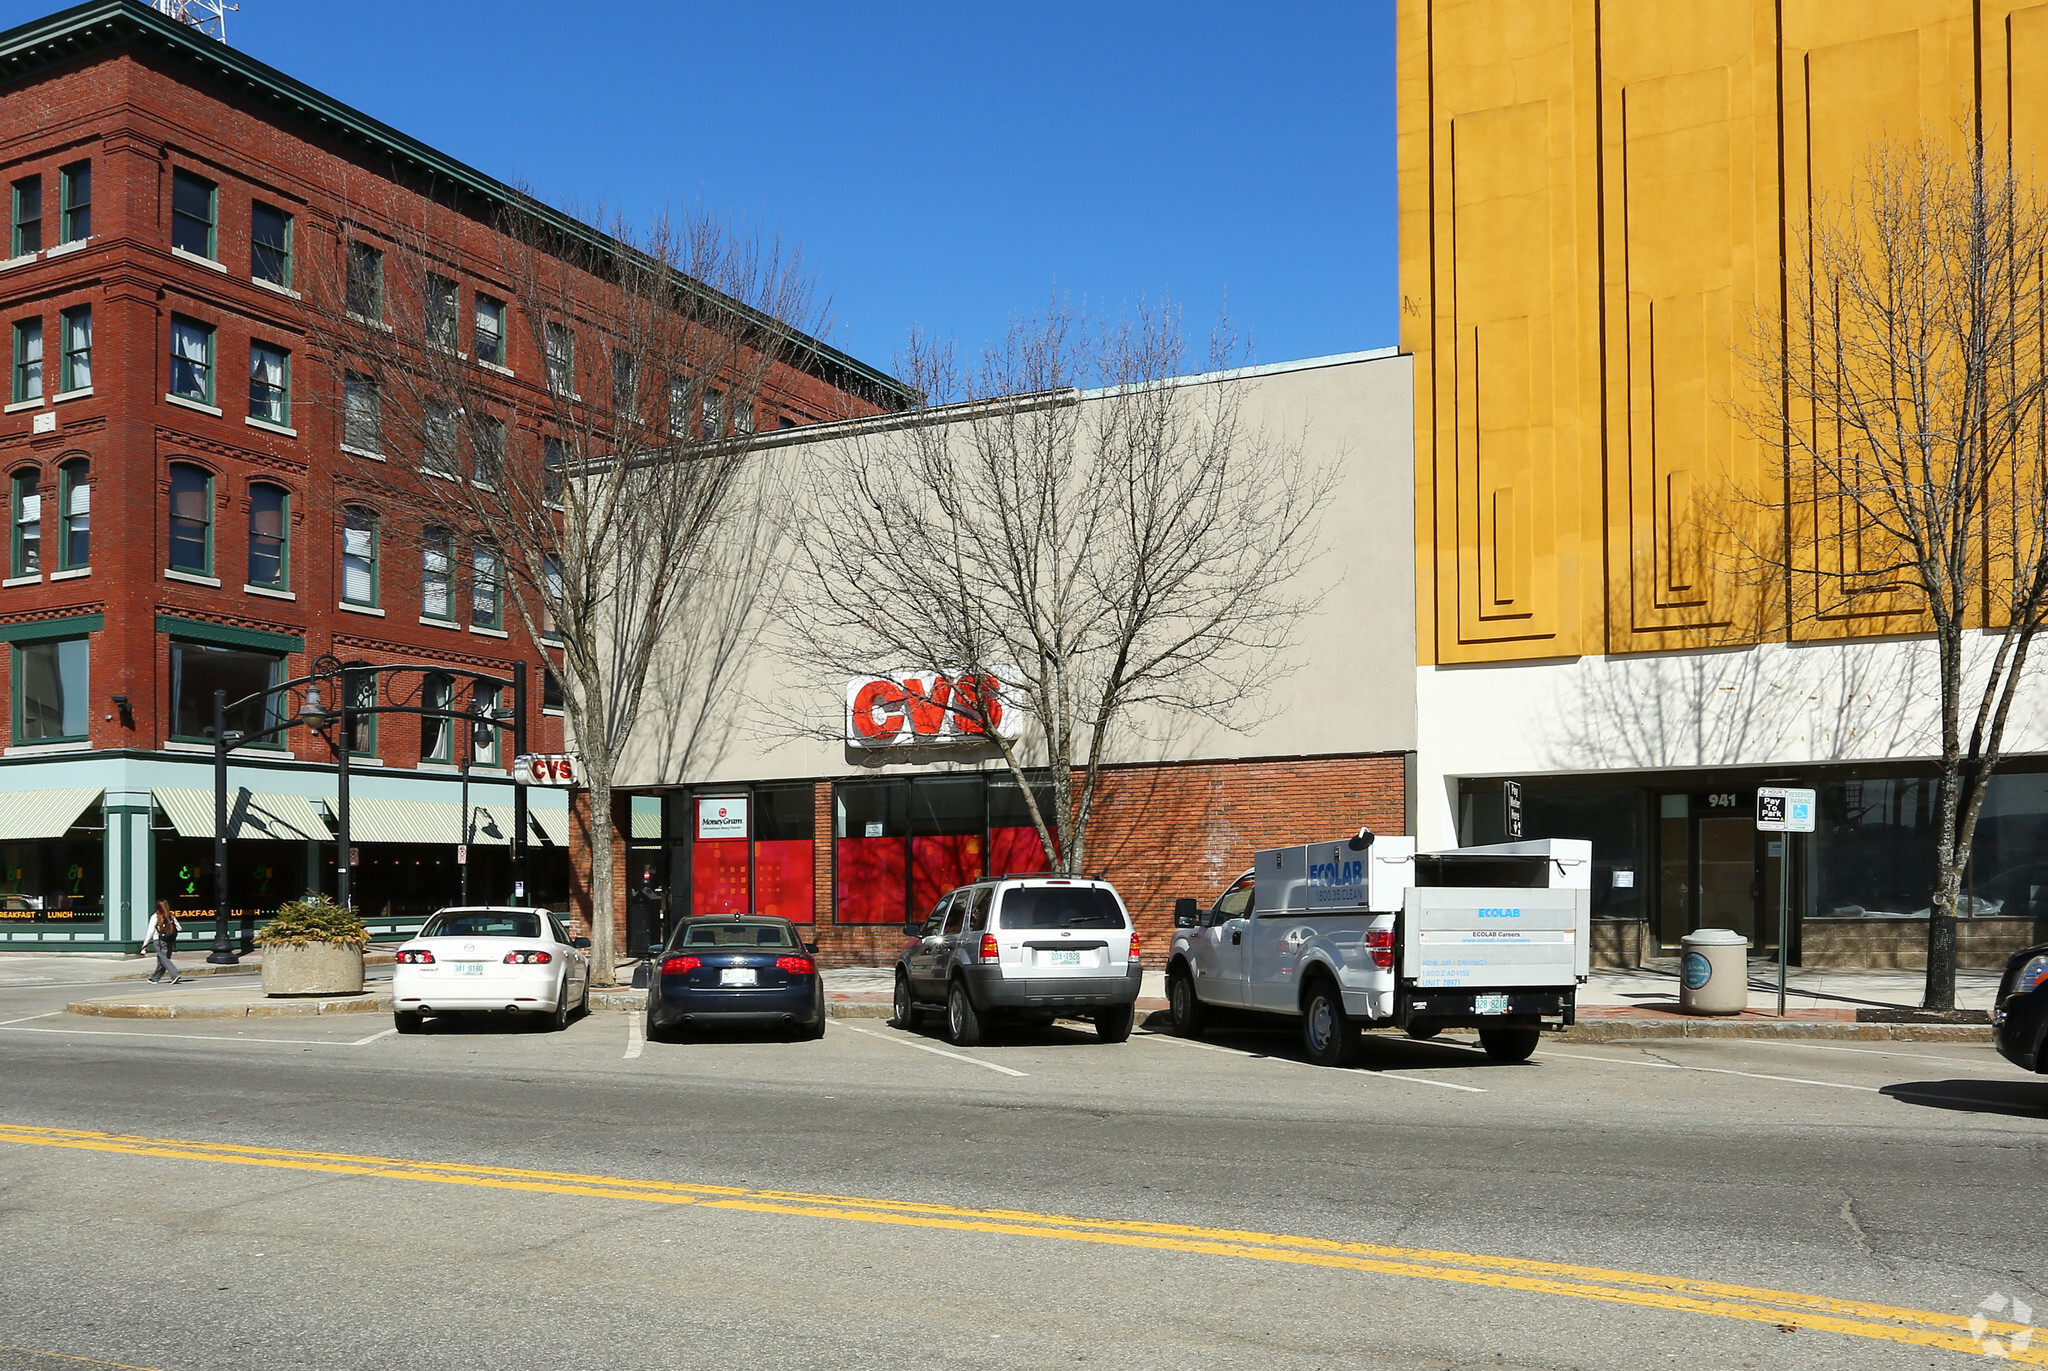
(2019,1016)
(740,969)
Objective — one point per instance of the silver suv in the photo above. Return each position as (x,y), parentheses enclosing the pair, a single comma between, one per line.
(1024,948)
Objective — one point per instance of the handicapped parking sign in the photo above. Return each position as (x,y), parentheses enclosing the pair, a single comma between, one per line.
(1780,810)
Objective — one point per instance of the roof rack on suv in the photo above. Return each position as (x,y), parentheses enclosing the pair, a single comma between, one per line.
(1055,875)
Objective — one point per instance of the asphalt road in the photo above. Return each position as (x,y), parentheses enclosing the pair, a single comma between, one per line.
(205,1195)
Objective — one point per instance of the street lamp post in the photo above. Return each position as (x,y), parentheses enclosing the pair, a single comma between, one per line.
(223,953)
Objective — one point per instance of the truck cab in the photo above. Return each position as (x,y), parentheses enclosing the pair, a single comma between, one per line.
(1365,932)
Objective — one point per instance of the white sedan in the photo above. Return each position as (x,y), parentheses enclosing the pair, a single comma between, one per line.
(490,959)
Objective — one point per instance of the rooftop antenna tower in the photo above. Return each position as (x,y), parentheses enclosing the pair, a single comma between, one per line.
(210,17)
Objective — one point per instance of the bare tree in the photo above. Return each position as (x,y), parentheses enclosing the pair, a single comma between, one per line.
(1127,553)
(1905,389)
(592,484)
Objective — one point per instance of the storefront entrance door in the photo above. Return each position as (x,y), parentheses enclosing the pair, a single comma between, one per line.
(1728,875)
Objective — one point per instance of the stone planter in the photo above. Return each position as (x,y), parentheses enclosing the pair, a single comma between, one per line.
(315,969)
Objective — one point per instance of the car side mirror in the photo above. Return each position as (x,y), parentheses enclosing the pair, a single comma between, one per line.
(579,942)
(913,928)
(811,948)
(1186,914)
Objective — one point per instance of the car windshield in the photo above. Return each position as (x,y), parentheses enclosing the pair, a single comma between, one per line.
(482,923)
(737,935)
(1044,906)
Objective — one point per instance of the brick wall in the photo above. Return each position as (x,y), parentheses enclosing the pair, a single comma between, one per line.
(1163,831)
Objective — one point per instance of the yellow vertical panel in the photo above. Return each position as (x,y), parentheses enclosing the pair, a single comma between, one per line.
(1501,248)
(1678,243)
(2024,90)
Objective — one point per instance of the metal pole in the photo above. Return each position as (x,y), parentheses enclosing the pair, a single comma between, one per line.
(1784,911)
(518,853)
(468,756)
(342,860)
(223,953)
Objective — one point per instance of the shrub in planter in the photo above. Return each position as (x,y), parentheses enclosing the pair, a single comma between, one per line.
(313,947)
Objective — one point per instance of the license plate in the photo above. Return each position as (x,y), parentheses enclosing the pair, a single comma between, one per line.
(469,968)
(1489,1004)
(1062,959)
(739,975)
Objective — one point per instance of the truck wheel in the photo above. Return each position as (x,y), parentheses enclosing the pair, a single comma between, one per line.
(1424,1030)
(1326,1031)
(1114,1025)
(1508,1044)
(907,1013)
(963,1025)
(1190,1016)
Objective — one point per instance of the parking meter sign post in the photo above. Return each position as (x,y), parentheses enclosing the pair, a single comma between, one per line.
(1782,810)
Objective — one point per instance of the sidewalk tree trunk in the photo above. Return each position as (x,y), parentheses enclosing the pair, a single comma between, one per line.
(1904,387)
(1121,560)
(592,469)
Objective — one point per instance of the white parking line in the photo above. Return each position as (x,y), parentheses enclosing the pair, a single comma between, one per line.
(1289,1061)
(1720,1071)
(1910,1056)
(935,1051)
(1417,1080)
(1179,1041)
(634,1039)
(32,1018)
(365,1042)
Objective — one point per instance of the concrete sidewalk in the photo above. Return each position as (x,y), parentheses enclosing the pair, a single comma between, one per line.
(93,968)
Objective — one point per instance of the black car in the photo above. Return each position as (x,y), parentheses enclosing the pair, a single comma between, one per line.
(2019,1016)
(737,969)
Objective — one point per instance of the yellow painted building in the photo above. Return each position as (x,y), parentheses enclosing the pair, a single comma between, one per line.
(1597,198)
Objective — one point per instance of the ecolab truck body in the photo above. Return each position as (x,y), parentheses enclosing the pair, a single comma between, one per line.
(1368,933)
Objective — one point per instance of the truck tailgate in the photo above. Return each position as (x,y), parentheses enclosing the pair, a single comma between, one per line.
(1459,936)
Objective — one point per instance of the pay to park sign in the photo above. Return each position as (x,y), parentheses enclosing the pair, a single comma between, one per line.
(1784,811)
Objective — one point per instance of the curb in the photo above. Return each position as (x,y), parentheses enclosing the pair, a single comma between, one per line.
(1621,1030)
(259,1009)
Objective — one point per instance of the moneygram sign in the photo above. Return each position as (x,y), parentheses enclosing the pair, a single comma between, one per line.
(929,709)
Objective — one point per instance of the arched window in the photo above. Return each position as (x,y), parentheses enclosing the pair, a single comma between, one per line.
(359,557)
(74,509)
(270,561)
(191,519)
(27,508)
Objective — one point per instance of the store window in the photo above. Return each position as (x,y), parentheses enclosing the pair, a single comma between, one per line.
(721,856)
(1873,847)
(784,851)
(199,669)
(2009,859)
(901,843)
(51,691)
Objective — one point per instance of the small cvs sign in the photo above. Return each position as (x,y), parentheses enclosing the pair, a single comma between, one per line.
(1784,811)
(547,768)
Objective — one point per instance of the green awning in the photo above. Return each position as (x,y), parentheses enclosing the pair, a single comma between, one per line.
(424,821)
(553,825)
(250,815)
(28,814)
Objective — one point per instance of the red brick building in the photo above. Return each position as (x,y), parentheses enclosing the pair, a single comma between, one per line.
(179,506)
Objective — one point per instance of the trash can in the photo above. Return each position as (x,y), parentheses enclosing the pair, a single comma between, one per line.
(1714,972)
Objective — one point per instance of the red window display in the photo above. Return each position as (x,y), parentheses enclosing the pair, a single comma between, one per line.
(783,881)
(941,862)
(1015,849)
(718,877)
(872,872)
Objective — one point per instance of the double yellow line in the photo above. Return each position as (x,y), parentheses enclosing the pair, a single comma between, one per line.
(1786,1308)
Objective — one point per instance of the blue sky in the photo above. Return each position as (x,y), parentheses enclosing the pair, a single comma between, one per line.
(943,165)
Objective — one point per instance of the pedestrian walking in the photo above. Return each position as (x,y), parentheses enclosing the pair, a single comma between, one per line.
(162,938)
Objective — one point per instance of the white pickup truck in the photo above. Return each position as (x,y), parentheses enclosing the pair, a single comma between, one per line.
(1368,933)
